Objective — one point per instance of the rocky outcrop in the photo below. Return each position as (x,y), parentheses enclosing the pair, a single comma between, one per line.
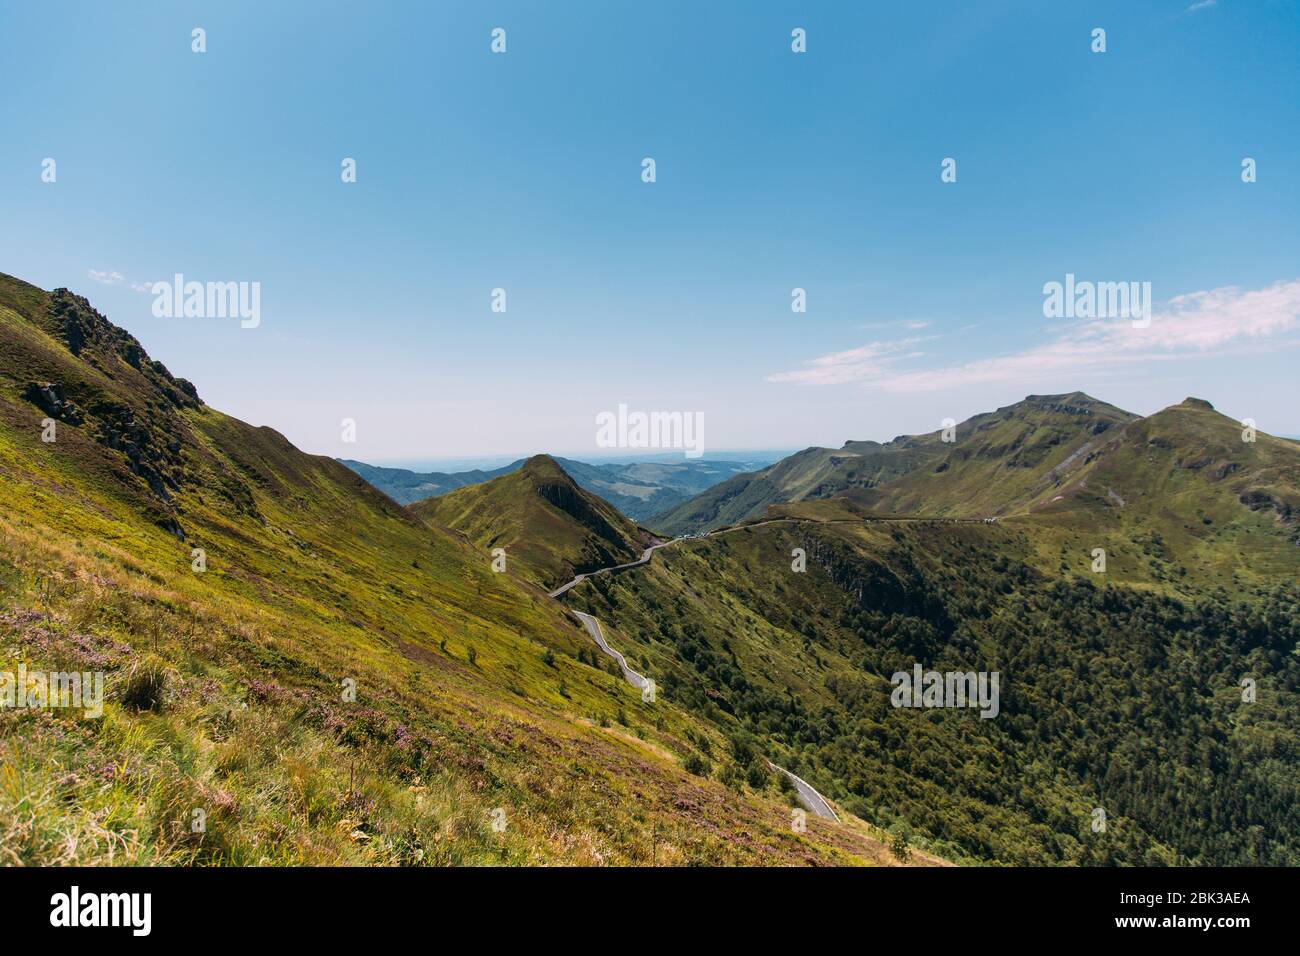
(53,401)
(91,337)
(151,454)
(1258,500)
(138,415)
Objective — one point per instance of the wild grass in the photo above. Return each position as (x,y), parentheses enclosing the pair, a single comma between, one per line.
(333,683)
(232,705)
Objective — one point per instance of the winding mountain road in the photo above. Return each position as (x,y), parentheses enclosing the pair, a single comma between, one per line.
(645,558)
(809,797)
(813,801)
(645,555)
(592,625)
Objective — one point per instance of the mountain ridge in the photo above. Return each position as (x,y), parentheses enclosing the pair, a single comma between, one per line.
(637,488)
(1011,441)
(541,518)
(476,691)
(333,680)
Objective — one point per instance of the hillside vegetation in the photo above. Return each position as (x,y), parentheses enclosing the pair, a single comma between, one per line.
(328,679)
(638,488)
(1112,696)
(541,519)
(991,464)
(1131,580)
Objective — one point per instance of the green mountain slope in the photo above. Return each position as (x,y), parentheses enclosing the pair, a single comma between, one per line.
(1112,696)
(1179,501)
(996,462)
(333,678)
(326,678)
(544,521)
(1140,575)
(1178,484)
(638,489)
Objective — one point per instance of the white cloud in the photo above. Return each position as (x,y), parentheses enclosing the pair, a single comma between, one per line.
(1201,5)
(911,325)
(1191,326)
(115,278)
(852,365)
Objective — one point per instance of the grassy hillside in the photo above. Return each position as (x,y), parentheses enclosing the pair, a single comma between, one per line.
(549,526)
(637,489)
(1112,696)
(995,463)
(1122,680)
(1180,502)
(237,592)
(330,681)
(998,463)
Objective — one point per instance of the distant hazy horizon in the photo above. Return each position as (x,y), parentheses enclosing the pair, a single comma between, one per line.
(454,463)
(488,462)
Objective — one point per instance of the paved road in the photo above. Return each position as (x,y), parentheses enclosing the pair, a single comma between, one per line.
(593,628)
(645,555)
(809,797)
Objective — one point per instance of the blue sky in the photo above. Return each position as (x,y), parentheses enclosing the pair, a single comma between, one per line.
(775,170)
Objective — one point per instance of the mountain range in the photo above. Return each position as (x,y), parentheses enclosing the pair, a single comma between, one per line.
(336,677)
(639,489)
(1020,458)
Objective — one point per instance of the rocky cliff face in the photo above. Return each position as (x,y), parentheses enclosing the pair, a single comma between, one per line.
(139,422)
(113,394)
(89,335)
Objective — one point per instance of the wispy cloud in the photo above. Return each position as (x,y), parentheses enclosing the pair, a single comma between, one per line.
(853,365)
(1191,326)
(1201,5)
(911,325)
(116,278)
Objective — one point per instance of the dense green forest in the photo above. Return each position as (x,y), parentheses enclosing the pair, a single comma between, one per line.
(1112,698)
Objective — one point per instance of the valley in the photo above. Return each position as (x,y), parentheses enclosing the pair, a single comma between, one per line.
(332,677)
(314,672)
